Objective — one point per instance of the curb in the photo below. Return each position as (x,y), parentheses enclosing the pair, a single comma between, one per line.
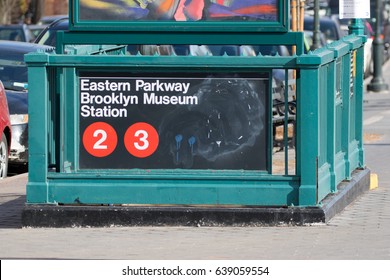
(107,216)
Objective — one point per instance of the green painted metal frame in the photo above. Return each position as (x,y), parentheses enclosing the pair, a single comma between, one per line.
(330,118)
(65,183)
(54,177)
(161,26)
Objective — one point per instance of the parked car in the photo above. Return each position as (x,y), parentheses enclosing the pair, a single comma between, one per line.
(330,27)
(16,32)
(46,20)
(48,34)
(36,29)
(13,74)
(5,133)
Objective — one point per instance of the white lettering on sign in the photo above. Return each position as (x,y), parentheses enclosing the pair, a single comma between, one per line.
(109,99)
(108,93)
(112,97)
(157,86)
(86,85)
(153,99)
(105,111)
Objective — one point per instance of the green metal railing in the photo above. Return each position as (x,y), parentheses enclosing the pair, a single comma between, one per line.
(330,116)
(328,129)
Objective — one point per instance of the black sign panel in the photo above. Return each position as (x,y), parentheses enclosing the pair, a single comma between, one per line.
(190,121)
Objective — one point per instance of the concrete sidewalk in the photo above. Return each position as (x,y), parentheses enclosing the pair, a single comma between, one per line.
(361,231)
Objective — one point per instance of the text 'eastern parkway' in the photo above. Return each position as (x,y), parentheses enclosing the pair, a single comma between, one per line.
(98,97)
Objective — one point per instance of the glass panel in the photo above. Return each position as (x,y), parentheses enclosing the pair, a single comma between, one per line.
(178,10)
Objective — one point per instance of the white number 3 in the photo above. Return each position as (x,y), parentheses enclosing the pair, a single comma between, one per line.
(142,137)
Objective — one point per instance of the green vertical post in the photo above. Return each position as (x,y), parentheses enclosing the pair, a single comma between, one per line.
(346,129)
(69,113)
(37,188)
(308,140)
(357,28)
(331,124)
(359,97)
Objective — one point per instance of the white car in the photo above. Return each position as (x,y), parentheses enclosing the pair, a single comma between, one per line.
(368,59)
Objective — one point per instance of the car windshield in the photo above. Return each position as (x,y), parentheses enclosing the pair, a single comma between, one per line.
(48,38)
(13,70)
(48,35)
(11,34)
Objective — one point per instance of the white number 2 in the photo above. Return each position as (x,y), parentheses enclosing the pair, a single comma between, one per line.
(103,136)
(142,137)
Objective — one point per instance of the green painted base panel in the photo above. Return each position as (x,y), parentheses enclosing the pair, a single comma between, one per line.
(38,215)
(178,192)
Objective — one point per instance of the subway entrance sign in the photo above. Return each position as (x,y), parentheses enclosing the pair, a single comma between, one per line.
(129,123)
(164,111)
(160,121)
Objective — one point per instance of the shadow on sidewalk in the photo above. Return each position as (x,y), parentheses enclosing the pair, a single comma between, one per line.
(11,213)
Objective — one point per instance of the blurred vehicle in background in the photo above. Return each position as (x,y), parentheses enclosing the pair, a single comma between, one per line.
(16,32)
(309,40)
(5,133)
(48,34)
(329,26)
(36,29)
(47,20)
(13,74)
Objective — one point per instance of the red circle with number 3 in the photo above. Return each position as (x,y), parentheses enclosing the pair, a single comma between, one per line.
(141,140)
(100,139)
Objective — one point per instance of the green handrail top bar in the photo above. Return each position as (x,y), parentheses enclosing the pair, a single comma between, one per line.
(328,53)
(355,41)
(163,61)
(347,43)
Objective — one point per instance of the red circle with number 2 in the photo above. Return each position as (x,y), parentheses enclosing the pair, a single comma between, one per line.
(141,140)
(100,139)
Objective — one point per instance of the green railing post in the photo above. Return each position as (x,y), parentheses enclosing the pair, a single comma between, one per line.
(312,85)
(37,187)
(359,97)
(330,80)
(345,115)
(355,96)
(357,28)
(307,127)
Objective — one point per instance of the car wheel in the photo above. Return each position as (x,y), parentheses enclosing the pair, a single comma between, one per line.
(3,157)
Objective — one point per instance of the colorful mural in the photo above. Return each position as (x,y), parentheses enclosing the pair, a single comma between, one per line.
(179,10)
